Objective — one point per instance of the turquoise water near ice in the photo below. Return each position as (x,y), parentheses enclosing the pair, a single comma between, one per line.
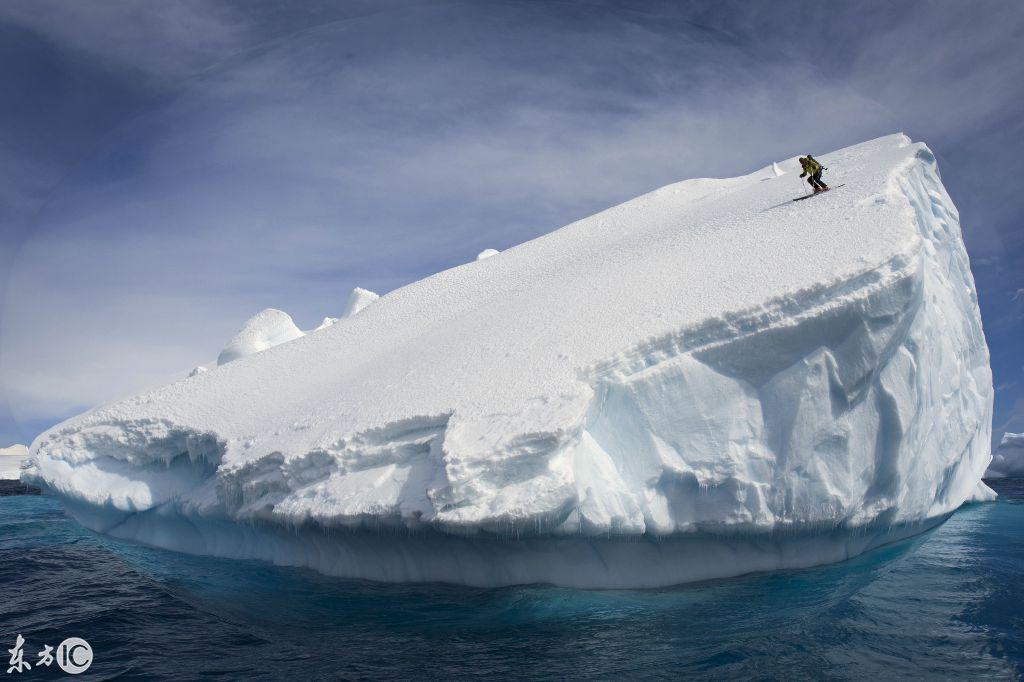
(947,604)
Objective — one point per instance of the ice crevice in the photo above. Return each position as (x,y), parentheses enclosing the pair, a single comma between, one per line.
(679,388)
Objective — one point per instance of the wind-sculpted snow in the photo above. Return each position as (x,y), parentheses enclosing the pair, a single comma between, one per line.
(272,327)
(359,299)
(265,329)
(707,380)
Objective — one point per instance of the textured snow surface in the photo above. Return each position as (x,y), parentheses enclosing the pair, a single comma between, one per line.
(1008,459)
(10,462)
(703,381)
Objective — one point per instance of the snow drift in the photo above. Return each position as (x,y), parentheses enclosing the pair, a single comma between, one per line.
(359,299)
(265,329)
(272,327)
(703,381)
(1008,459)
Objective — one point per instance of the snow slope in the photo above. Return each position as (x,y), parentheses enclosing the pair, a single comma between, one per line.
(1008,459)
(10,461)
(706,380)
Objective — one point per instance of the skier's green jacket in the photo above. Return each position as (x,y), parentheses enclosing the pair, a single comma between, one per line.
(810,165)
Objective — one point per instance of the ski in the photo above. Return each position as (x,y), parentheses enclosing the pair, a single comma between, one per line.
(817,193)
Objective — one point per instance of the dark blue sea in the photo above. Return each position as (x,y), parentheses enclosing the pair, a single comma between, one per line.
(948,604)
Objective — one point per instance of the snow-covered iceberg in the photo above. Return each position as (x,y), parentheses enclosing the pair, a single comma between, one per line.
(1008,459)
(704,381)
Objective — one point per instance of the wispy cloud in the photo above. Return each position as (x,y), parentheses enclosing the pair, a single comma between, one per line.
(159,38)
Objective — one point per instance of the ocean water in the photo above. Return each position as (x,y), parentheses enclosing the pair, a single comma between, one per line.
(947,604)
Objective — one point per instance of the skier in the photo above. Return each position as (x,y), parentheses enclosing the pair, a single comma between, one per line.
(813,169)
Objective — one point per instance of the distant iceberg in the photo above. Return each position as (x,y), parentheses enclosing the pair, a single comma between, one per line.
(11,459)
(1008,459)
(704,381)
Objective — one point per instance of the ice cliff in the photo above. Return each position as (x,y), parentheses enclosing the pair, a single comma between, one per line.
(706,380)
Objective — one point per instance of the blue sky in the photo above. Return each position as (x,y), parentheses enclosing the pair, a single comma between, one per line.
(171,168)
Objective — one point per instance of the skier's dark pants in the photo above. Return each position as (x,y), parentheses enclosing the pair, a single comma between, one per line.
(815,181)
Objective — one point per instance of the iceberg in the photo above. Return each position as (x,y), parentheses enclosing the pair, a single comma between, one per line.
(1008,459)
(11,460)
(705,381)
